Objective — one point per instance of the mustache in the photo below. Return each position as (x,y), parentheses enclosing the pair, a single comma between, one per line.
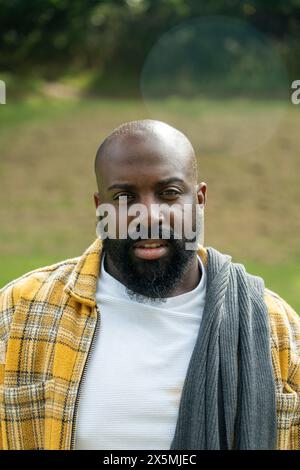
(140,233)
(163,233)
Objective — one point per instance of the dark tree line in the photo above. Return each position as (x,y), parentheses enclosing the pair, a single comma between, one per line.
(52,37)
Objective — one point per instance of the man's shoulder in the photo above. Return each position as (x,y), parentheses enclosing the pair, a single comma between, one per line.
(280,310)
(28,283)
(285,342)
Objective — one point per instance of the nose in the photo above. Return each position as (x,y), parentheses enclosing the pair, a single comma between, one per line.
(151,216)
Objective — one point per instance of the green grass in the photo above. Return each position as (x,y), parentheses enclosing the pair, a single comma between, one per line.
(13,267)
(42,109)
(284,279)
(35,109)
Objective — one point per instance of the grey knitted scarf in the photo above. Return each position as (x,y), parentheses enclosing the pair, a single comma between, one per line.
(228,397)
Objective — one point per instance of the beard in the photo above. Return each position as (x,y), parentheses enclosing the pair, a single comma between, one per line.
(150,280)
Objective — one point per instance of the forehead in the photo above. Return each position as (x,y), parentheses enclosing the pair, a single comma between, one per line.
(135,157)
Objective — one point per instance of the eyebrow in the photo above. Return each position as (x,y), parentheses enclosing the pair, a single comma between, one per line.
(159,183)
(170,180)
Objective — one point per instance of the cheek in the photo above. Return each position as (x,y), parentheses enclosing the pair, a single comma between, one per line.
(122,223)
(183,219)
(176,218)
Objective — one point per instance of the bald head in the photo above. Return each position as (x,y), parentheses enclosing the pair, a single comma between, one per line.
(142,139)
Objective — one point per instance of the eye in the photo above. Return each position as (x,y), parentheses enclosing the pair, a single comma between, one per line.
(171,193)
(127,195)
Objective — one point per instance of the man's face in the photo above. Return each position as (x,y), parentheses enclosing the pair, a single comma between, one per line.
(155,172)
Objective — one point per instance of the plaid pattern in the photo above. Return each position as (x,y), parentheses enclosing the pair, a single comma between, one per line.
(47,320)
(285,348)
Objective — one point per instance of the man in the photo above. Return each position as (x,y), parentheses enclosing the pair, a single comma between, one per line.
(141,342)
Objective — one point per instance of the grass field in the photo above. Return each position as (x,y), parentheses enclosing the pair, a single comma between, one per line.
(47,179)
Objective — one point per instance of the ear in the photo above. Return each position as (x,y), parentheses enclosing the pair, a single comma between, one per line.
(201,193)
(97,199)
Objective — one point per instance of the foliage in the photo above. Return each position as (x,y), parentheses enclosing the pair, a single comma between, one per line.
(51,37)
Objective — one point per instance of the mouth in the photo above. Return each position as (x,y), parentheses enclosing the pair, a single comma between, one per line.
(151,249)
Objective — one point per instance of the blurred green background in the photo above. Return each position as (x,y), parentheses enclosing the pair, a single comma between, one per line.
(73,72)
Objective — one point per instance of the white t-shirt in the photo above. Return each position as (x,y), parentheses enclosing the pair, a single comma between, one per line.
(133,383)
